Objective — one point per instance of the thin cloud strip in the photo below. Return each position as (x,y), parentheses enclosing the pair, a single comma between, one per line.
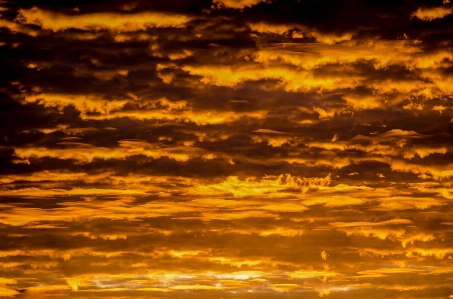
(99,21)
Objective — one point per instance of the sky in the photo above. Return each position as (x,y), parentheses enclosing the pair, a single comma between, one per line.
(233,149)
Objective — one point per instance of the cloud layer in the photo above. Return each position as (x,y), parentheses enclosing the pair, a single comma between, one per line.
(226,149)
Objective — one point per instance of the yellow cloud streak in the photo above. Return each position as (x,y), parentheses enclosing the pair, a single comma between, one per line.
(239,4)
(312,56)
(436,171)
(268,185)
(85,153)
(68,211)
(310,273)
(390,143)
(385,271)
(198,117)
(309,57)
(94,107)
(406,202)
(100,21)
(292,79)
(396,229)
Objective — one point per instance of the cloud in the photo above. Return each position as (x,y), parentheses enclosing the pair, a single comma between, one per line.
(17,28)
(4,291)
(86,153)
(431,13)
(238,4)
(387,271)
(400,230)
(313,273)
(271,186)
(401,202)
(225,149)
(100,21)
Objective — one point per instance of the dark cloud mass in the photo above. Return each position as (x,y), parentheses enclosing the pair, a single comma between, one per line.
(231,149)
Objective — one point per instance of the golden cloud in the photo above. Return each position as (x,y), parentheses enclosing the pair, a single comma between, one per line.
(431,13)
(99,21)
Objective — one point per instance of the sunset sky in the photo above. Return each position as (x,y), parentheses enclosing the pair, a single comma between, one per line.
(235,149)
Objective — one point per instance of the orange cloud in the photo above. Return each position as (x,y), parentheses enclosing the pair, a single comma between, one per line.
(94,107)
(7,292)
(99,21)
(325,38)
(292,79)
(386,271)
(85,153)
(268,186)
(325,274)
(429,14)
(405,203)
(401,230)
(239,3)
(17,28)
